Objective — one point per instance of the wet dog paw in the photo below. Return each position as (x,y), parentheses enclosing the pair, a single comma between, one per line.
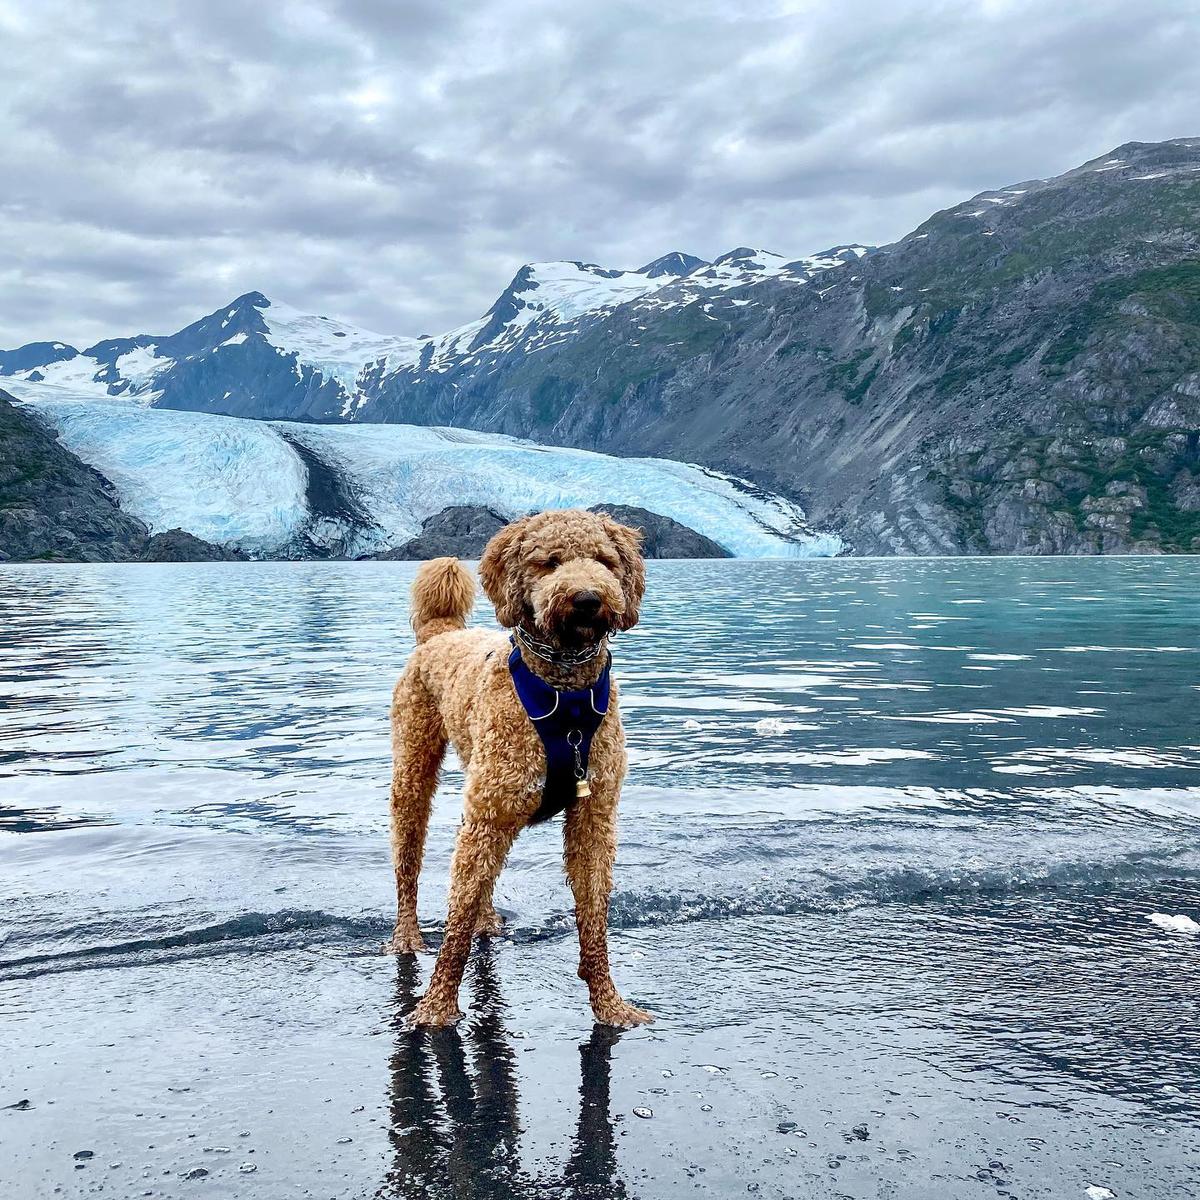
(404,943)
(490,924)
(430,1014)
(621,1015)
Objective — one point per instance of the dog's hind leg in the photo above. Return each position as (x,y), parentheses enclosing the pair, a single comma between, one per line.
(492,818)
(418,746)
(489,923)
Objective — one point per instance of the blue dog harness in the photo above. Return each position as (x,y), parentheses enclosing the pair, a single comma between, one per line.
(566,723)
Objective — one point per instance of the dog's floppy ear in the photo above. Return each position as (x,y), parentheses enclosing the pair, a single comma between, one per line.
(628,543)
(499,576)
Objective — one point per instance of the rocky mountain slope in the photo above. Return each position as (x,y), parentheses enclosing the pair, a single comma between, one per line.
(1019,374)
(51,504)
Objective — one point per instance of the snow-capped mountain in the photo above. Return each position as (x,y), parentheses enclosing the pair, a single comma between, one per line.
(354,480)
(1020,373)
(282,489)
(250,358)
(262,358)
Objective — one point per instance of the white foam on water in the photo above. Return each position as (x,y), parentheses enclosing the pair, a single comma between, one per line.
(1178,923)
(769,727)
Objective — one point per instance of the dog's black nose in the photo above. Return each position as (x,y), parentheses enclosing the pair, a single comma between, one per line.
(587,603)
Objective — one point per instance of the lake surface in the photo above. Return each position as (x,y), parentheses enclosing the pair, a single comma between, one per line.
(893,839)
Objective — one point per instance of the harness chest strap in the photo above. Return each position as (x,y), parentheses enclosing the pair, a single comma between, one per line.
(566,722)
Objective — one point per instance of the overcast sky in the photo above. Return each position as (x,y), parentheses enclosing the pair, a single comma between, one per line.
(393,163)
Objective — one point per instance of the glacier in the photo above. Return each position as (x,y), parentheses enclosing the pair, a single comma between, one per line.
(227,480)
(245,483)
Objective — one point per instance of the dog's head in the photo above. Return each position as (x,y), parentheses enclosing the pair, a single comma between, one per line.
(573,575)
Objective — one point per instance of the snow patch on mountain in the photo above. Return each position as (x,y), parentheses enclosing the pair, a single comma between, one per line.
(338,350)
(242,483)
(87,376)
(139,368)
(546,296)
(566,290)
(69,378)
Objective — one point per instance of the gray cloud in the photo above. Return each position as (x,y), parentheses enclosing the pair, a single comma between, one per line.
(394,163)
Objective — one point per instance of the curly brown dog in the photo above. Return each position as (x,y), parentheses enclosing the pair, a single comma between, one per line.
(562,581)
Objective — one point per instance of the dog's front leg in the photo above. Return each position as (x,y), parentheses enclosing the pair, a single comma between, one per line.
(479,854)
(590,845)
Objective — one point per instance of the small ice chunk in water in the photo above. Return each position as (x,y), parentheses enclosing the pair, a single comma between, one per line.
(1101,1193)
(691,725)
(645,1113)
(769,727)
(1179,923)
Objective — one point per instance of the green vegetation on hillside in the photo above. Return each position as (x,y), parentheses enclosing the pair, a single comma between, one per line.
(1171,294)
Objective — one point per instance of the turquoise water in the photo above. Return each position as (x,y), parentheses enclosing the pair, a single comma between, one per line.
(909,852)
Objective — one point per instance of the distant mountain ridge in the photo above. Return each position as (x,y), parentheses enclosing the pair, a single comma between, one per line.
(1021,373)
(262,358)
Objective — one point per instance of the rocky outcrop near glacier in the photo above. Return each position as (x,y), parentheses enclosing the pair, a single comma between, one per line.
(1020,374)
(459,531)
(177,545)
(462,530)
(56,508)
(662,537)
(52,506)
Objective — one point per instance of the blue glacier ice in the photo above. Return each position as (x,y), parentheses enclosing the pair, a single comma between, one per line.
(243,483)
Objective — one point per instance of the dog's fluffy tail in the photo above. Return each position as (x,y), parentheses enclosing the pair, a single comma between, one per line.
(443,595)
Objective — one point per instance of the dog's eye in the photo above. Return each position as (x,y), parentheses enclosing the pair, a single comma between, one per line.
(609,561)
(551,564)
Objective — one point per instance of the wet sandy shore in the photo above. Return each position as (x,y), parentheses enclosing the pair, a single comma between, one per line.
(777,1068)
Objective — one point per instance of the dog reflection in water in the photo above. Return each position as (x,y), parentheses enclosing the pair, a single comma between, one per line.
(455,1108)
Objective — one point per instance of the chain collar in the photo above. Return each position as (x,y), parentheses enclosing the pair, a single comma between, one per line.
(558,658)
